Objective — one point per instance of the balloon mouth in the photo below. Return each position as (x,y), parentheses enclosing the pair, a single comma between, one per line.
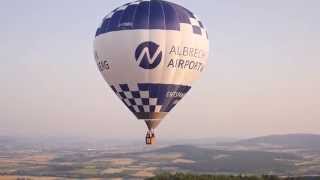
(152,123)
(150,115)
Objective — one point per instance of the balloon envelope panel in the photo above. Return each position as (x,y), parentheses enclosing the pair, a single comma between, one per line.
(150,52)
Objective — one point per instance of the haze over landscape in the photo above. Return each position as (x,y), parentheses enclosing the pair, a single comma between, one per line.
(284,155)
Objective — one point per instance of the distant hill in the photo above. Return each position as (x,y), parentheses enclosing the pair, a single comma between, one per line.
(211,160)
(305,141)
(187,158)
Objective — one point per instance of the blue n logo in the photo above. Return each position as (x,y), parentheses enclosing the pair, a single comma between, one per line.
(148,55)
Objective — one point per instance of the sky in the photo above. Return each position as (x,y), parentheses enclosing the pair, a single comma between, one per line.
(263,74)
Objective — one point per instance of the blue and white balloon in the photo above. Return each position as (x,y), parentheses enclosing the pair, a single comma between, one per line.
(150,52)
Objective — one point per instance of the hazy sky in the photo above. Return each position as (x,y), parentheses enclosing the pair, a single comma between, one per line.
(263,75)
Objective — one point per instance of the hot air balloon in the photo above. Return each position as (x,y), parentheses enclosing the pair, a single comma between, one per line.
(150,52)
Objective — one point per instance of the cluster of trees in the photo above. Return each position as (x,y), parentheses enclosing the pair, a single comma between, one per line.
(182,176)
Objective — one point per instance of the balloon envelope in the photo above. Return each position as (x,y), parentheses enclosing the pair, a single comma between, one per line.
(150,52)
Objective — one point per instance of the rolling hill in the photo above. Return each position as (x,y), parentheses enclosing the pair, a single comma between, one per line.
(303,141)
